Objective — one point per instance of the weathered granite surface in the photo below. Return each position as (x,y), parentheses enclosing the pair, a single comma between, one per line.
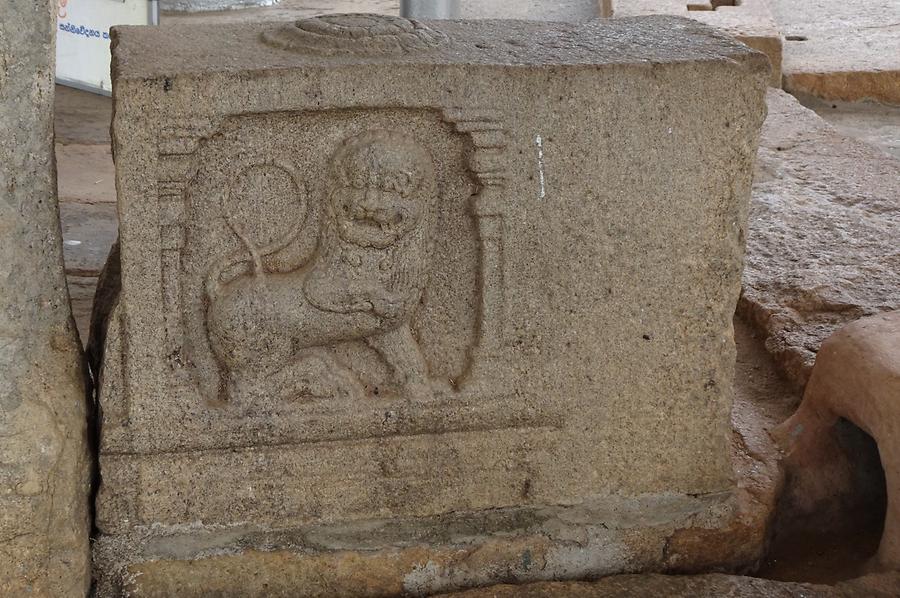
(750,21)
(44,465)
(480,313)
(822,247)
(763,399)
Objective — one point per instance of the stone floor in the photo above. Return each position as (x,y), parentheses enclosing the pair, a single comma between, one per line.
(807,169)
(832,49)
(871,122)
(87,192)
(285,10)
(840,49)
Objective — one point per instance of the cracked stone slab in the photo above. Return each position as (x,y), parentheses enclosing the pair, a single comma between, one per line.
(823,245)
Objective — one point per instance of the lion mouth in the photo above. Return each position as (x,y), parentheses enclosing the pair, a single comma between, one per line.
(387,227)
(375,226)
(384,223)
(376,232)
(388,221)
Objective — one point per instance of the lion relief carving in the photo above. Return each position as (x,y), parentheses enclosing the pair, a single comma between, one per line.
(364,282)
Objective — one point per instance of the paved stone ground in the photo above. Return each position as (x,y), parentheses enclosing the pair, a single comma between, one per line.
(840,49)
(833,49)
(286,10)
(874,123)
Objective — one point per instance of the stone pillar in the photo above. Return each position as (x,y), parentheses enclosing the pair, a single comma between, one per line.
(430,9)
(44,460)
(203,5)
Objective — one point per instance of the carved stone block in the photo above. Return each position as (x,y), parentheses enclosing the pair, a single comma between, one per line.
(387,283)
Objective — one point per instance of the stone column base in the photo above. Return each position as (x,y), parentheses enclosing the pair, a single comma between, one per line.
(204,5)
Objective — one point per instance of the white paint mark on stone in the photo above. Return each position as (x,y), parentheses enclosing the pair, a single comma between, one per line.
(540,158)
(72,242)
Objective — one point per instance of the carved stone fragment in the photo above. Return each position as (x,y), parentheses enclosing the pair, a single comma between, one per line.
(432,285)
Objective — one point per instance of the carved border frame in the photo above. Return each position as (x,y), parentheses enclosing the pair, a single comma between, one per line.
(180,140)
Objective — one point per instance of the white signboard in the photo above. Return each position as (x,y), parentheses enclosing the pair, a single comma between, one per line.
(82,41)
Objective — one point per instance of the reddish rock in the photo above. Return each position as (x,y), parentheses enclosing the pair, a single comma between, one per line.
(856,377)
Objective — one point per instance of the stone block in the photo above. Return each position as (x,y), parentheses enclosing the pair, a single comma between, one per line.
(455,297)
(856,378)
(750,21)
(45,470)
